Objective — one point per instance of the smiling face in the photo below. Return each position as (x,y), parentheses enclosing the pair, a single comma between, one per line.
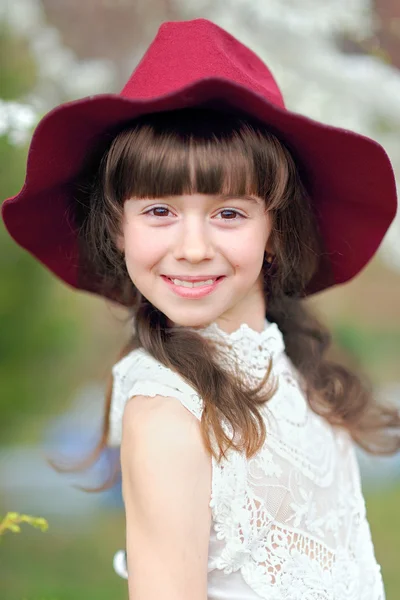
(205,236)
(196,194)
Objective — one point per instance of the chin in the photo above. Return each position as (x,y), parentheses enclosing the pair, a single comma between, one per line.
(189,320)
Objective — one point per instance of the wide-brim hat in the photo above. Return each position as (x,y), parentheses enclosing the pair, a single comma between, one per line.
(349,177)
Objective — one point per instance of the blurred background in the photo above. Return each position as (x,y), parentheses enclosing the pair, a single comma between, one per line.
(337,61)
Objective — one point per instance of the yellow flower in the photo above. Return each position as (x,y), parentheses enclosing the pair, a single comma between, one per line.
(12,519)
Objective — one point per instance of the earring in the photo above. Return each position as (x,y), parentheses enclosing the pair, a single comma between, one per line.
(268,257)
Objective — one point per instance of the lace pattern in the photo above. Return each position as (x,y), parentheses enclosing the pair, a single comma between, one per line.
(292,518)
(140,374)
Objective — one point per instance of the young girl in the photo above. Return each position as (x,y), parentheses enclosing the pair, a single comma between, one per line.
(198,201)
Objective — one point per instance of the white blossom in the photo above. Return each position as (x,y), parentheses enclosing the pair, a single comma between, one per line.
(61,76)
(16,121)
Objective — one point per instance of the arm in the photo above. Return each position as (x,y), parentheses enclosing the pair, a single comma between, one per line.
(166,486)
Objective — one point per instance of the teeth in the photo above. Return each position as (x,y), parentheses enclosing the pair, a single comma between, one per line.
(192,284)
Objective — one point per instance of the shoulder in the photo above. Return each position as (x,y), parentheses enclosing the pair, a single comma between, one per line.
(156,415)
(139,365)
(159,426)
(140,374)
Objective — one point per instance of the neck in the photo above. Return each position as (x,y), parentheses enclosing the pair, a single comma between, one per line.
(255,322)
(251,312)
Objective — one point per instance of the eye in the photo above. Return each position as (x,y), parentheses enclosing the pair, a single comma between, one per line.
(232,214)
(157,208)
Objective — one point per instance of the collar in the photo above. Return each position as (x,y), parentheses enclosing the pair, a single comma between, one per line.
(249,348)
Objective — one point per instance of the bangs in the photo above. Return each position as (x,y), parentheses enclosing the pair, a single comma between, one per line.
(195,151)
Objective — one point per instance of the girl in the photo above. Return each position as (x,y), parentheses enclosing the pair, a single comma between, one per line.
(198,201)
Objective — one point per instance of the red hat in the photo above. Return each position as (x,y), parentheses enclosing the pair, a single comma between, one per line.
(191,63)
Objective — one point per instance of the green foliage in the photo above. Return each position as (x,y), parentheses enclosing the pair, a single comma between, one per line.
(376,349)
(37,333)
(17,69)
(12,522)
(383,514)
(73,561)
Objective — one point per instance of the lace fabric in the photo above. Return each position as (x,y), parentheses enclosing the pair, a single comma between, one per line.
(290,522)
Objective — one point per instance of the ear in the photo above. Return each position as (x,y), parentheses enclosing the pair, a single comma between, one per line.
(119,242)
(269,249)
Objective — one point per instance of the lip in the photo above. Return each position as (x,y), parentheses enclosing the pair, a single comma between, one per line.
(197,292)
(193,278)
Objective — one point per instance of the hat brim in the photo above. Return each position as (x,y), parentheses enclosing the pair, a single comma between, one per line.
(349,177)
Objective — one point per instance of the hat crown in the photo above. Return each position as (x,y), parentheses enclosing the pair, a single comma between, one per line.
(185,52)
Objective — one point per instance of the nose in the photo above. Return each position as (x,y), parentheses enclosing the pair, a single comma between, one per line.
(193,242)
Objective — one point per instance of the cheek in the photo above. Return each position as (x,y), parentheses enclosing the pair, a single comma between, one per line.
(248,251)
(140,252)
(247,263)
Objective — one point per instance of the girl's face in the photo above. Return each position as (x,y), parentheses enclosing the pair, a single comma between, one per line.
(205,236)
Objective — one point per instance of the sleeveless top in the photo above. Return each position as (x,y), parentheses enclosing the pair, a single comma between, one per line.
(290,522)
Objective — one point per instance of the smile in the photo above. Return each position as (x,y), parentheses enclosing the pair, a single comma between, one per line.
(194,287)
(191,284)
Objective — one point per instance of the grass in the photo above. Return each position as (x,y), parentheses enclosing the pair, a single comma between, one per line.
(383,515)
(74,561)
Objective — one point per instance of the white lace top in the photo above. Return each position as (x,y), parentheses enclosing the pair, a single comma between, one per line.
(290,522)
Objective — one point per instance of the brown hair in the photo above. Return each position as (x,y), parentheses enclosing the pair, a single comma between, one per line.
(204,151)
